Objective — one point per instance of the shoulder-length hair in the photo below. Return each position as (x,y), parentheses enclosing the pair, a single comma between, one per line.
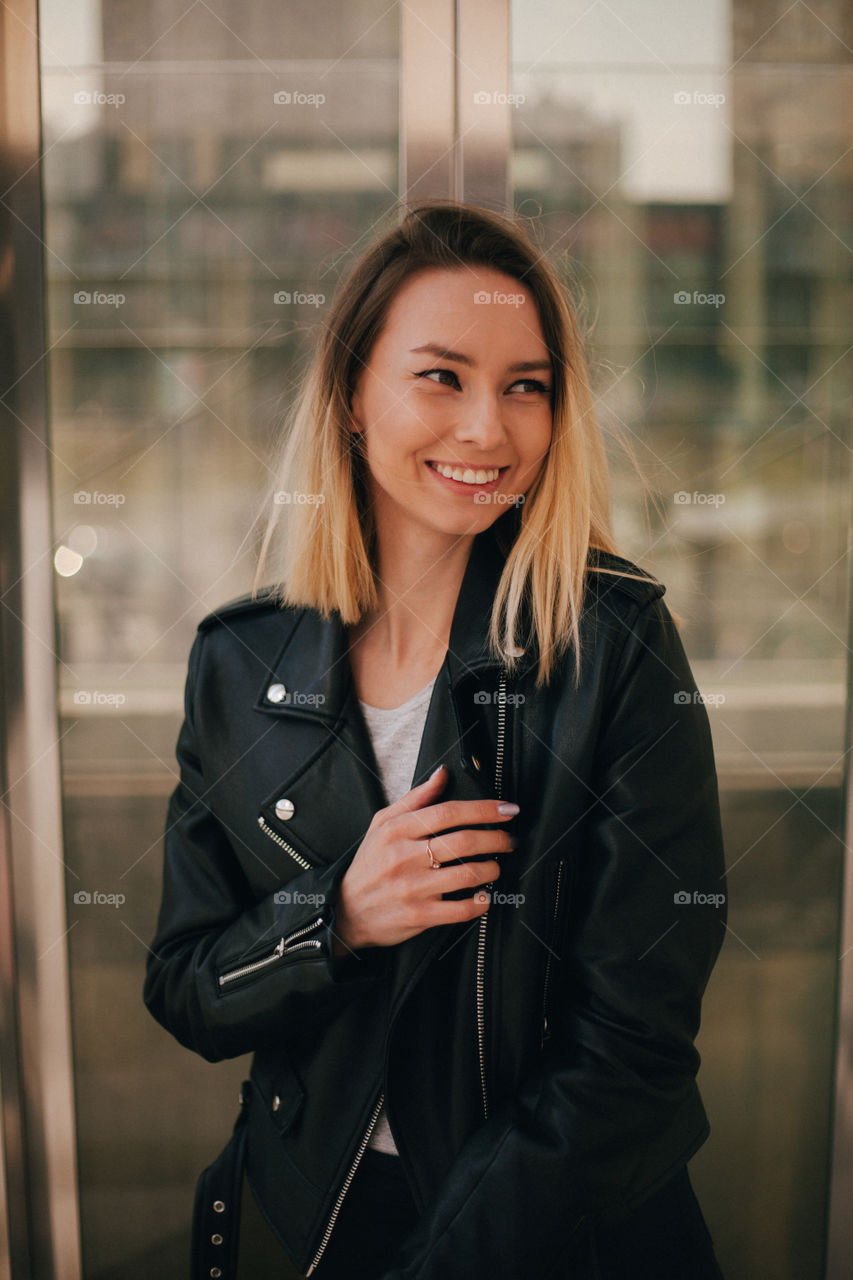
(320,547)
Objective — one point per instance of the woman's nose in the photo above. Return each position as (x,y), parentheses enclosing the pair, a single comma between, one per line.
(482,422)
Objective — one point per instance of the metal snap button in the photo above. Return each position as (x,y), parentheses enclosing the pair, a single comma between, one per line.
(215,1272)
(216,1239)
(284,809)
(276,1103)
(276,693)
(475,762)
(219,1206)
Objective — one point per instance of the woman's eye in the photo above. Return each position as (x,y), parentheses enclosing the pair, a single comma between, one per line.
(437,375)
(532,385)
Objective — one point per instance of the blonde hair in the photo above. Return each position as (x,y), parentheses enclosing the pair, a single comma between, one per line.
(321,552)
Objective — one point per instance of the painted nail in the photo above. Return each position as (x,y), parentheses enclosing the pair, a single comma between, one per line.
(506,807)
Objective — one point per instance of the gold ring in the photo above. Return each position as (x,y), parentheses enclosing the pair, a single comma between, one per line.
(432,861)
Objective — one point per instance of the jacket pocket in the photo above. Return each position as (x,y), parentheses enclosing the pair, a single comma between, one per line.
(558,895)
(279,1091)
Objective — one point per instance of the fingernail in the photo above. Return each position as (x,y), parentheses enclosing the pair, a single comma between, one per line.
(435,772)
(506,807)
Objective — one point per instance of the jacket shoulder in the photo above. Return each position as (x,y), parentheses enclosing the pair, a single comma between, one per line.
(607,573)
(266,601)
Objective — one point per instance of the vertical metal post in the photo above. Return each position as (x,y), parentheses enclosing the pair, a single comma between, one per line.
(455,108)
(840,1223)
(39,1167)
(427,99)
(483,103)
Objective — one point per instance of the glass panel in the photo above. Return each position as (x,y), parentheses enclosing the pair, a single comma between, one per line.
(692,166)
(205,170)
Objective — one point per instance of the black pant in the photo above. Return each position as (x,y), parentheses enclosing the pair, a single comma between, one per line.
(666,1238)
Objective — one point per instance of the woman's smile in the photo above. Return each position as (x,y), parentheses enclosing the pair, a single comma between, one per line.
(466,477)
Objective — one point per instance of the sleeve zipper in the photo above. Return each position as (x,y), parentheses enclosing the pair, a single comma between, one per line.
(284,946)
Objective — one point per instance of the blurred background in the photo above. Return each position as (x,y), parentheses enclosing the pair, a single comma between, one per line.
(208,172)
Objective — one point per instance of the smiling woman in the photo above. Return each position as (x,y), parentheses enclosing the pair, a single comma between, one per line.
(488,1072)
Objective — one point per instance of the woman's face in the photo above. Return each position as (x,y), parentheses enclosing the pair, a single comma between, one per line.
(454,402)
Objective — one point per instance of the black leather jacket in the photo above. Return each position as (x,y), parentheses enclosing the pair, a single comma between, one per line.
(537,1065)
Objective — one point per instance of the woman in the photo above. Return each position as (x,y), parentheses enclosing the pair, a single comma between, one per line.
(446,848)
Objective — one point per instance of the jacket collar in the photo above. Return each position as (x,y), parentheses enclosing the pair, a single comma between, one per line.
(311,675)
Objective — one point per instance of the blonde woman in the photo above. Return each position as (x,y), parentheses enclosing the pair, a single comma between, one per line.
(445,855)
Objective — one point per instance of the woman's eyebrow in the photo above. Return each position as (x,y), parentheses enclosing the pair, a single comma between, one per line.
(443,353)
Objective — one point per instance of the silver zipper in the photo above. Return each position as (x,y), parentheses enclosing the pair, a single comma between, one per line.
(548,962)
(284,946)
(273,835)
(481,938)
(346,1185)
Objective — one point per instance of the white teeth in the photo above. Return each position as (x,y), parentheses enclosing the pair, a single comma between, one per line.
(466,475)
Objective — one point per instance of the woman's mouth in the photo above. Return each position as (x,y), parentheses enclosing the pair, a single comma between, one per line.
(467,478)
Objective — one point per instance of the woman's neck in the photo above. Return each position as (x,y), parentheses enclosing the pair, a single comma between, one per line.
(418,580)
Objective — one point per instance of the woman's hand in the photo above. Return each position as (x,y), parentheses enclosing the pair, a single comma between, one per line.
(390,892)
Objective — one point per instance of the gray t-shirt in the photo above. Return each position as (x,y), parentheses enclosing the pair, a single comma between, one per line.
(396,734)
